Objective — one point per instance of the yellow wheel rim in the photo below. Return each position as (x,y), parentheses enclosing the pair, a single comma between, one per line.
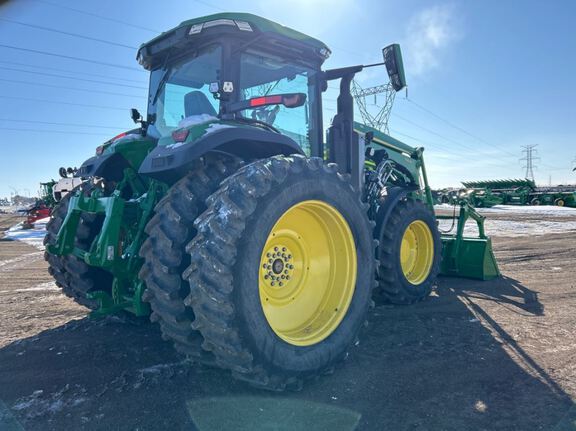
(307,273)
(417,252)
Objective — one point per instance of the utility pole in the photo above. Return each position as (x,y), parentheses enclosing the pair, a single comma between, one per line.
(529,158)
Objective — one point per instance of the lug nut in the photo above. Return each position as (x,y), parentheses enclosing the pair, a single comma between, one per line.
(280,284)
(275,248)
(272,283)
(283,248)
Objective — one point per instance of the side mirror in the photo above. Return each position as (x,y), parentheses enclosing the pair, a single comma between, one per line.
(135,115)
(394,66)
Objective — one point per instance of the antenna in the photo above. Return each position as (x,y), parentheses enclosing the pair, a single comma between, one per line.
(379,120)
(530,151)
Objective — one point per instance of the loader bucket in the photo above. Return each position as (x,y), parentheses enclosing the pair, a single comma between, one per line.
(475,258)
(468,257)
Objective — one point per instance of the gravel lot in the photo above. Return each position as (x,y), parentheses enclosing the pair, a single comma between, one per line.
(497,355)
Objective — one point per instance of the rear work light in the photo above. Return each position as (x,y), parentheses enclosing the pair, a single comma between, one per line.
(241,25)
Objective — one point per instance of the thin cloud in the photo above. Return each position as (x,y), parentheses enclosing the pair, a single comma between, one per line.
(430,32)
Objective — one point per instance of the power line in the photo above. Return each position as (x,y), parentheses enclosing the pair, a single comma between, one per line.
(457,127)
(70,57)
(468,133)
(70,88)
(459,144)
(66,33)
(65,70)
(73,78)
(83,12)
(443,147)
(84,105)
(68,132)
(60,124)
(209,5)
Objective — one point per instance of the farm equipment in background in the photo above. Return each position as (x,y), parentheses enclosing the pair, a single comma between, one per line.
(256,246)
(42,208)
(517,192)
(505,192)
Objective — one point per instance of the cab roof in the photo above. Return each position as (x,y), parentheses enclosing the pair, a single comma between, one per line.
(244,22)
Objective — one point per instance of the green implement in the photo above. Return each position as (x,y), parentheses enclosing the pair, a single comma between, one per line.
(468,257)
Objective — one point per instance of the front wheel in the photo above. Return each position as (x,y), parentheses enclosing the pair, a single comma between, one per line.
(409,253)
(281,271)
(559,202)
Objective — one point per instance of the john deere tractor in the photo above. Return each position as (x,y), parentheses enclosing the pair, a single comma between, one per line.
(256,244)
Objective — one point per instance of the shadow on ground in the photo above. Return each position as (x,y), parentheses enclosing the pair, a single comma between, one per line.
(444,364)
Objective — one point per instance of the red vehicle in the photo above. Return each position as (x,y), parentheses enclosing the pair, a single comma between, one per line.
(39,211)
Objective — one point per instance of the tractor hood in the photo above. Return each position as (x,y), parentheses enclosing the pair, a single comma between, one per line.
(201,134)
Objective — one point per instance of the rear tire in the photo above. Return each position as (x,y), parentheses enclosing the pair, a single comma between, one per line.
(259,341)
(169,231)
(559,202)
(76,278)
(409,253)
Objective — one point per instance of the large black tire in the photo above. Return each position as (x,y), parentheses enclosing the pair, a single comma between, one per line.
(225,269)
(393,286)
(169,231)
(72,275)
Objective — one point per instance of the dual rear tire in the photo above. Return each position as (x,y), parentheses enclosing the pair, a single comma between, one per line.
(280,275)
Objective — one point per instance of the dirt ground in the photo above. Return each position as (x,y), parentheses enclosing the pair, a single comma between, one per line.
(497,355)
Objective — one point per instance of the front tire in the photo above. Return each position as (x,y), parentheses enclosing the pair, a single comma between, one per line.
(275,323)
(409,253)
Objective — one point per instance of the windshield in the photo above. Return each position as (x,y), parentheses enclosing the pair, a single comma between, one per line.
(262,74)
(182,90)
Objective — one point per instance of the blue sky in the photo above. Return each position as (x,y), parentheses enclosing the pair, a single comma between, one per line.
(485,78)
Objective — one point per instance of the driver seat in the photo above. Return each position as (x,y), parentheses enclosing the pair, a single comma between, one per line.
(196,103)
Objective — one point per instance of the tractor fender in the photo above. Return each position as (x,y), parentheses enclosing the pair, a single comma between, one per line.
(168,163)
(110,166)
(388,203)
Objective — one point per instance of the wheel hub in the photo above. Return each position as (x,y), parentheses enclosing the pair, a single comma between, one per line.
(278,266)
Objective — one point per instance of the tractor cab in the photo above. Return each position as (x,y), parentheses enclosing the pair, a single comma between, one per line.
(234,70)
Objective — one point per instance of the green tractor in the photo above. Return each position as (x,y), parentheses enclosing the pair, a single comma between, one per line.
(257,246)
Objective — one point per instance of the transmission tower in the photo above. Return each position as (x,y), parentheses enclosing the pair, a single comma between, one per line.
(378,120)
(530,156)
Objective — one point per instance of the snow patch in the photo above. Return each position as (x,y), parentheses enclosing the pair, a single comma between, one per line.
(130,137)
(216,126)
(34,236)
(510,228)
(39,404)
(517,209)
(195,120)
